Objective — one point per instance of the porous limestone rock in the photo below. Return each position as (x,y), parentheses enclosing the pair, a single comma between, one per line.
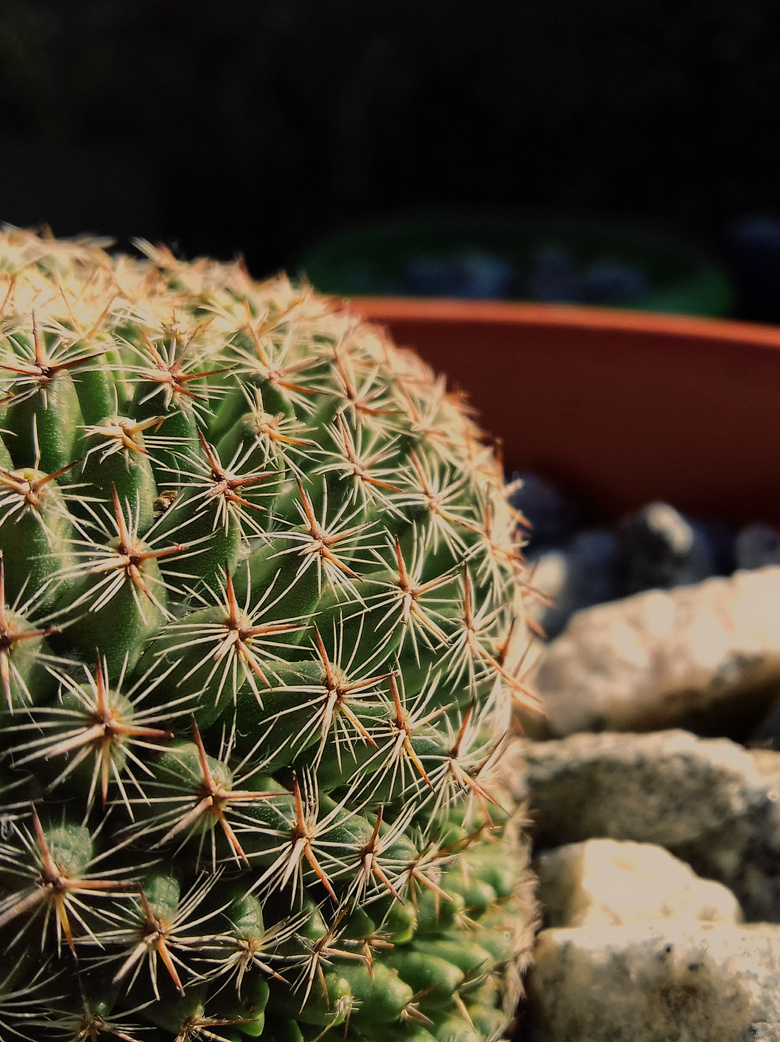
(710,802)
(767,730)
(668,787)
(745,855)
(642,982)
(605,882)
(698,657)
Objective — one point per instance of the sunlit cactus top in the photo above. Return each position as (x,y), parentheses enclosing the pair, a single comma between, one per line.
(261,637)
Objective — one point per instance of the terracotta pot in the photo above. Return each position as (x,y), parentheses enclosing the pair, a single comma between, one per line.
(621,407)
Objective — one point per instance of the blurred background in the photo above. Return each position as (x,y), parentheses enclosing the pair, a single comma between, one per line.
(263,127)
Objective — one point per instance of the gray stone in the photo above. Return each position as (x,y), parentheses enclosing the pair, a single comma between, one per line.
(656,983)
(699,657)
(606,882)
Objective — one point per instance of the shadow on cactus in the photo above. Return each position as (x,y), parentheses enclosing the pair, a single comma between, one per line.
(261,636)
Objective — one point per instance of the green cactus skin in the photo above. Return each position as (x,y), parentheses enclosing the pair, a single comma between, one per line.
(261,631)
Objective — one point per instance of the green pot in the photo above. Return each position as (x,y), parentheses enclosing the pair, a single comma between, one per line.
(521,258)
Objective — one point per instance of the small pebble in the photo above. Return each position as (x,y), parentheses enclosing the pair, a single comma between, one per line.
(756,545)
(552,278)
(612,282)
(579,576)
(554,517)
(474,275)
(660,548)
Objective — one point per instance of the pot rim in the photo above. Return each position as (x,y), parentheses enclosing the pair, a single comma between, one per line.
(484,312)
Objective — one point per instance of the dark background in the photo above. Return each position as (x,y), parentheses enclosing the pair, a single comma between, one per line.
(256,126)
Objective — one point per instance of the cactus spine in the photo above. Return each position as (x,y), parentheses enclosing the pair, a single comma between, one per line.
(261,630)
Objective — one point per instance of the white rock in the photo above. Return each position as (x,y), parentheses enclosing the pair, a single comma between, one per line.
(665,983)
(603,882)
(549,573)
(666,658)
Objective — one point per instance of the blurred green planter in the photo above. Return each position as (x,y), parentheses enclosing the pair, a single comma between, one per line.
(521,258)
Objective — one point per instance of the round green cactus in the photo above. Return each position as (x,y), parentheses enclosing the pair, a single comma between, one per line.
(261,631)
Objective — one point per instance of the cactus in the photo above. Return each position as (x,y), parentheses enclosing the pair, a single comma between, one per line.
(261,636)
